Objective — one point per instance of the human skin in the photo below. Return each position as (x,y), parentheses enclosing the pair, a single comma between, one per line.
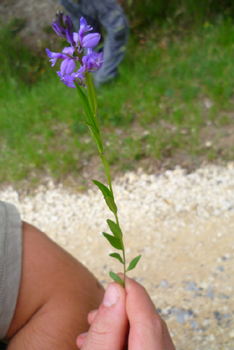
(124,313)
(56,293)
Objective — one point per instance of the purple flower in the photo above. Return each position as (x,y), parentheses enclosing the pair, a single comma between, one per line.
(93,61)
(68,64)
(69,79)
(89,40)
(62,26)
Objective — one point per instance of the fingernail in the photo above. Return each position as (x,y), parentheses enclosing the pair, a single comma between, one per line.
(111,295)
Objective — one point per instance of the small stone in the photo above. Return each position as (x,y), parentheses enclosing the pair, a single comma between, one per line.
(220,268)
(193,324)
(208,144)
(205,322)
(164,283)
(231,334)
(184,316)
(211,337)
(191,286)
(217,315)
(210,292)
(223,296)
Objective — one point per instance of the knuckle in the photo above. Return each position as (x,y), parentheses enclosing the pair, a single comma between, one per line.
(102,330)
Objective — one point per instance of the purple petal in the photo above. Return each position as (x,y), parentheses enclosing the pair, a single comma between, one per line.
(54,56)
(68,50)
(67,80)
(58,29)
(83,29)
(81,71)
(69,36)
(67,67)
(62,25)
(78,77)
(71,66)
(93,61)
(83,23)
(91,40)
(69,22)
(75,37)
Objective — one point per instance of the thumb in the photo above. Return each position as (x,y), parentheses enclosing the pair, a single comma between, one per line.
(110,324)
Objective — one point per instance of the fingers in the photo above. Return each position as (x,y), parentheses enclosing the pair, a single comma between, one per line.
(147,329)
(82,337)
(91,316)
(108,324)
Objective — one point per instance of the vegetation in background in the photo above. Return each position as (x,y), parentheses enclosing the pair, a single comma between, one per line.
(174,98)
(188,13)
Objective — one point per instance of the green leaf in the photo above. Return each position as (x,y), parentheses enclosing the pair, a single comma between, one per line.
(87,109)
(105,190)
(91,94)
(133,263)
(111,204)
(115,229)
(106,166)
(115,242)
(117,256)
(116,278)
(96,137)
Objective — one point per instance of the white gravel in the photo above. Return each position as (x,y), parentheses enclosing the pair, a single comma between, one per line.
(208,192)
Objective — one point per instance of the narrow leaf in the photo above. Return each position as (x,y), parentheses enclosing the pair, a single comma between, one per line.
(106,166)
(91,94)
(116,278)
(133,263)
(115,229)
(115,242)
(117,256)
(111,204)
(96,137)
(88,111)
(105,190)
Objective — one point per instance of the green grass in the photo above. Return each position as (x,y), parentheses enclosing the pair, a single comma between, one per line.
(155,110)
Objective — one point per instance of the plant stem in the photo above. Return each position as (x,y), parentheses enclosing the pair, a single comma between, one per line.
(107,171)
(106,166)
(124,264)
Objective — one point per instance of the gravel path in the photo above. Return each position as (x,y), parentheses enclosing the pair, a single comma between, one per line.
(183,224)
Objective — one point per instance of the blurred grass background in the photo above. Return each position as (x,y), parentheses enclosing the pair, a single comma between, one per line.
(172,103)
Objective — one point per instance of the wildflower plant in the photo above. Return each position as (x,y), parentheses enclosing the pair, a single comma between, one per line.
(81,81)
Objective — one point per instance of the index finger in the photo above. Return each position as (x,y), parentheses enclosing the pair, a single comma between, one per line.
(147,329)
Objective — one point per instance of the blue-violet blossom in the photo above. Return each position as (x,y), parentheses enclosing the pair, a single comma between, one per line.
(68,65)
(89,40)
(89,63)
(63,27)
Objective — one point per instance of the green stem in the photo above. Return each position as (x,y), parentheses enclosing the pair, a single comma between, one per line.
(92,102)
(107,171)
(124,265)
(106,166)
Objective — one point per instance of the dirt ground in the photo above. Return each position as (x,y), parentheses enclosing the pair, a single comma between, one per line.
(187,268)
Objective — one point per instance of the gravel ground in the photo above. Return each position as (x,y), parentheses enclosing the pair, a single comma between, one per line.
(183,224)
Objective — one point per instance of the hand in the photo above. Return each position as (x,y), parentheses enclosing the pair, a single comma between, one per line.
(109,324)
